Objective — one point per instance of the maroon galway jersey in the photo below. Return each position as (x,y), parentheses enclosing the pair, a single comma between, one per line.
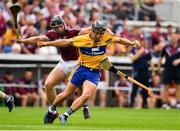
(67,53)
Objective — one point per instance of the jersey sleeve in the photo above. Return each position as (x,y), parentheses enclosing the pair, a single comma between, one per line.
(51,35)
(78,41)
(108,38)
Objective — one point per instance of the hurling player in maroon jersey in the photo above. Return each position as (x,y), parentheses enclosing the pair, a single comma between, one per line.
(69,57)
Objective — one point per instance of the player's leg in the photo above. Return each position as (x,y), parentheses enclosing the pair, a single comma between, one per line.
(165,96)
(9,100)
(35,99)
(52,113)
(102,98)
(133,95)
(89,89)
(134,88)
(2,95)
(118,95)
(145,80)
(177,81)
(86,112)
(24,100)
(70,66)
(167,79)
(178,96)
(43,98)
(55,76)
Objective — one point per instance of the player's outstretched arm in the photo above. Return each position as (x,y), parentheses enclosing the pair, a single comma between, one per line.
(59,43)
(33,40)
(125,41)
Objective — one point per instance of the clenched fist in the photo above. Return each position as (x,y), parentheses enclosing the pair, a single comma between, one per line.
(136,43)
(42,44)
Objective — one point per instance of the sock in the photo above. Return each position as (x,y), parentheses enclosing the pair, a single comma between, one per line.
(85,105)
(69,112)
(52,109)
(7,98)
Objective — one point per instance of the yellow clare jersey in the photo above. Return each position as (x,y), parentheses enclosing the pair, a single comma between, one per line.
(10,37)
(91,52)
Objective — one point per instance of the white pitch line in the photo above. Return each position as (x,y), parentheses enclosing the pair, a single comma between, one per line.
(55,127)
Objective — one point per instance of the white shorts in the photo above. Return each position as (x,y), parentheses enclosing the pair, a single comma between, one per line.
(67,66)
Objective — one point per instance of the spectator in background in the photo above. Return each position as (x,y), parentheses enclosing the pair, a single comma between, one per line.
(122,95)
(8,78)
(94,16)
(122,10)
(141,57)
(138,35)
(30,31)
(41,90)
(27,16)
(125,33)
(1,46)
(16,48)
(147,11)
(157,40)
(28,95)
(80,19)
(155,99)
(170,30)
(39,19)
(2,24)
(9,38)
(172,100)
(114,24)
(171,69)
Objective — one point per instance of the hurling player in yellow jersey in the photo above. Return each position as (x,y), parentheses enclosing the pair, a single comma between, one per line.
(92,49)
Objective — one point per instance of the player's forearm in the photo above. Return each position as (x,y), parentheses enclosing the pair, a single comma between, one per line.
(58,43)
(125,41)
(30,40)
(33,40)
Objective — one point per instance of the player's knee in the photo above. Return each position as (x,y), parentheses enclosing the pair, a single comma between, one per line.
(86,96)
(48,85)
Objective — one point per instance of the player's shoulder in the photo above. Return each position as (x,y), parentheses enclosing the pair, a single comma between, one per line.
(50,32)
(82,38)
(73,29)
(108,36)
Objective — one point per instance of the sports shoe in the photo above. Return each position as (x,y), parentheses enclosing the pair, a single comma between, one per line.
(50,117)
(86,113)
(10,103)
(165,106)
(63,119)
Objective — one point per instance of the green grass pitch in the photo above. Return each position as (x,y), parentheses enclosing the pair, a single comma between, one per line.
(101,119)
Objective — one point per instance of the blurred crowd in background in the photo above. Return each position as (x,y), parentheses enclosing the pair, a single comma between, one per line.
(35,16)
(34,20)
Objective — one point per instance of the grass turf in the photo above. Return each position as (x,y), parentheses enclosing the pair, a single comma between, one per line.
(101,119)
